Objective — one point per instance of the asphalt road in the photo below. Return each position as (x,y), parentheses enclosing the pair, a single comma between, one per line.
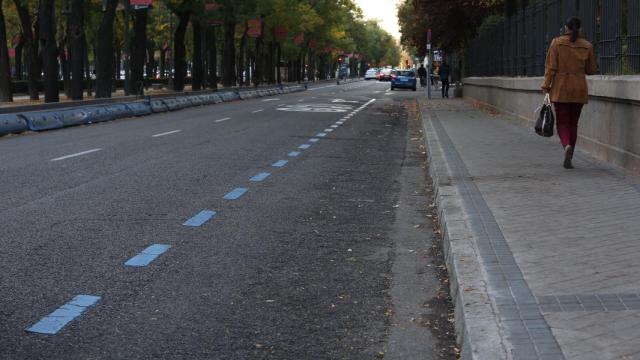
(329,256)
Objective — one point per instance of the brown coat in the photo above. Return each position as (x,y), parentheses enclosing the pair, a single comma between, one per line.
(566,68)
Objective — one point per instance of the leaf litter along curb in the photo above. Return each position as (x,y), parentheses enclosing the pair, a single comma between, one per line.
(441,320)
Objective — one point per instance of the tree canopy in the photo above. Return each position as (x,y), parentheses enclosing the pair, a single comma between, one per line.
(260,41)
(452,22)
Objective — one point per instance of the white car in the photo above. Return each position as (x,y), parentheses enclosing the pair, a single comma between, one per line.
(370,74)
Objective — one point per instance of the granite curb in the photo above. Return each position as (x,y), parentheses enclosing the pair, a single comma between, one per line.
(477,325)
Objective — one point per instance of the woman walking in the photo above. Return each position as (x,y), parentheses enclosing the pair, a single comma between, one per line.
(569,60)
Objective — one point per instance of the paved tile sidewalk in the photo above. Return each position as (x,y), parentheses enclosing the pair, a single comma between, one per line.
(546,261)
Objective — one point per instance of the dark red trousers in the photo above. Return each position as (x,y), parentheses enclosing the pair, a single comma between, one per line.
(567,115)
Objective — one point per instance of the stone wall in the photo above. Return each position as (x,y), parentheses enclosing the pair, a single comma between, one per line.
(609,127)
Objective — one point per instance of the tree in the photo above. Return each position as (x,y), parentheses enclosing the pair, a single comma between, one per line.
(105,51)
(5,69)
(139,48)
(48,44)
(212,52)
(183,11)
(453,22)
(197,75)
(77,49)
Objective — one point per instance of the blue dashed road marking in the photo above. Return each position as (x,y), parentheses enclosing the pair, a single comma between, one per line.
(304,146)
(294,153)
(321,134)
(201,218)
(279,163)
(314,140)
(260,177)
(328,130)
(235,193)
(147,255)
(55,321)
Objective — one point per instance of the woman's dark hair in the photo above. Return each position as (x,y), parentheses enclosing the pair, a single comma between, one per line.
(574,24)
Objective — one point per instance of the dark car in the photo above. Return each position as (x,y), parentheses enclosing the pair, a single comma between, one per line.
(405,79)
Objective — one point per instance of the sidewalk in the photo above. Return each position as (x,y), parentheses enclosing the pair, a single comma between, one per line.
(545,262)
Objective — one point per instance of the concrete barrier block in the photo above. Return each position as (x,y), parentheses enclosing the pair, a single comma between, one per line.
(12,124)
(98,114)
(73,117)
(217,99)
(45,120)
(118,111)
(229,96)
(205,99)
(195,100)
(139,108)
(157,106)
(172,104)
(247,94)
(184,102)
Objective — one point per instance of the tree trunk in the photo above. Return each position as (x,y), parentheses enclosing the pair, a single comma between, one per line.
(117,65)
(64,69)
(213,58)
(229,55)
(278,60)
(163,63)
(105,53)
(46,16)
(6,93)
(179,51)
(242,73)
(139,50)
(31,49)
(151,60)
(87,70)
(271,76)
(197,75)
(258,73)
(77,49)
(18,59)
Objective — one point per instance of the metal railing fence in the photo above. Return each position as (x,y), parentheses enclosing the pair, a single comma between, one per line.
(517,46)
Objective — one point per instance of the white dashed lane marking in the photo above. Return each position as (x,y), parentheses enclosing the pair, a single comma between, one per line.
(76,154)
(166,133)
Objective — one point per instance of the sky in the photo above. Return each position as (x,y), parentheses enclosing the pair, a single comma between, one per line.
(384,11)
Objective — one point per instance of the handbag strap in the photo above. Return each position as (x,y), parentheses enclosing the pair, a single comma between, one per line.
(547,99)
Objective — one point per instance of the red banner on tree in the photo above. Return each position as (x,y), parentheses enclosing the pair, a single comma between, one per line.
(328,49)
(12,52)
(298,40)
(254,29)
(281,33)
(313,43)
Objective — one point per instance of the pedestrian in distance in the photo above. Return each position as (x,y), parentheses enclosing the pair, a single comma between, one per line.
(434,76)
(445,71)
(422,73)
(569,59)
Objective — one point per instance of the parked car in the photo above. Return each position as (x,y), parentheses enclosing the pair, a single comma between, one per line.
(371,74)
(405,79)
(385,75)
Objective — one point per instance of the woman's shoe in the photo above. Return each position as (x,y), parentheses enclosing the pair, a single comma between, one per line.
(568,155)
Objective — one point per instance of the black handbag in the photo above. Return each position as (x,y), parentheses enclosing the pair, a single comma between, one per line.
(546,120)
